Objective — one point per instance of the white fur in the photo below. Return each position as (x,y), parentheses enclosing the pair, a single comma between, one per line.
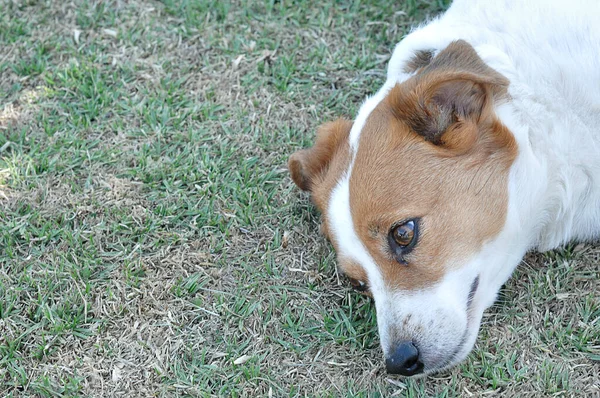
(550,52)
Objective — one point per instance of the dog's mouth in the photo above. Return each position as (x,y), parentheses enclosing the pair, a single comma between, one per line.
(474,286)
(454,357)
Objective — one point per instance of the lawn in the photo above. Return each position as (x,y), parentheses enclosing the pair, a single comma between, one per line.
(153,244)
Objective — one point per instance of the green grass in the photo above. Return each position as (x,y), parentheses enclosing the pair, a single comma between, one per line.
(150,235)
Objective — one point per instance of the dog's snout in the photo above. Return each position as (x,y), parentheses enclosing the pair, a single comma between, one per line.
(404,359)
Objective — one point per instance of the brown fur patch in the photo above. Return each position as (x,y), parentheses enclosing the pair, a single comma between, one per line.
(455,87)
(458,188)
(419,60)
(319,168)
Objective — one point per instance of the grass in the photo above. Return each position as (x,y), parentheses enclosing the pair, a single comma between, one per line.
(152,243)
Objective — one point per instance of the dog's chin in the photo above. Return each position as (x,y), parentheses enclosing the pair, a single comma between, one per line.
(460,353)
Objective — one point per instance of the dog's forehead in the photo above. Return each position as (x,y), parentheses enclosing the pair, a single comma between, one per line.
(365,112)
(340,169)
(353,258)
(360,256)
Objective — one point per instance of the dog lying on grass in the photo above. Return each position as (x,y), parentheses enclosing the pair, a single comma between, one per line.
(483,143)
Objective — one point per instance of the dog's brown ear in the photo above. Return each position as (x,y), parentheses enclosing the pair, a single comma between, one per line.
(446,100)
(308,165)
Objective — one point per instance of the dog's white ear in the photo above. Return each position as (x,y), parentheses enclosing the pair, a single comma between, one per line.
(308,165)
(451,93)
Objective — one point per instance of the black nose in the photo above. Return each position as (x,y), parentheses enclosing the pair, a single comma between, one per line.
(404,360)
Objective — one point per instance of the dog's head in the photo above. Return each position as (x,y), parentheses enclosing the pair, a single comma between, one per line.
(414,197)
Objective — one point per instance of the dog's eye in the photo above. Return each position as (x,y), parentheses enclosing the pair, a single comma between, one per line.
(404,234)
(402,239)
(358,285)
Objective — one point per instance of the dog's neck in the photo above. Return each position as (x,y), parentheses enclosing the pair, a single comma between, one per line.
(555,181)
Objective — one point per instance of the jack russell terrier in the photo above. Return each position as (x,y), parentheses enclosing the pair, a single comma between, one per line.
(483,143)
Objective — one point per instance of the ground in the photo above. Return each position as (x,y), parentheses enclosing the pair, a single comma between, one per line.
(153,244)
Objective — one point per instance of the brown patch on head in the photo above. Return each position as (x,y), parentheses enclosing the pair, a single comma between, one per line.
(433,150)
(419,60)
(319,168)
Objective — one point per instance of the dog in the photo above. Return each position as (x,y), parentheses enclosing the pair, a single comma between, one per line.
(483,143)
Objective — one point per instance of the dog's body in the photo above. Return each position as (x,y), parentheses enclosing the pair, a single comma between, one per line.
(483,143)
